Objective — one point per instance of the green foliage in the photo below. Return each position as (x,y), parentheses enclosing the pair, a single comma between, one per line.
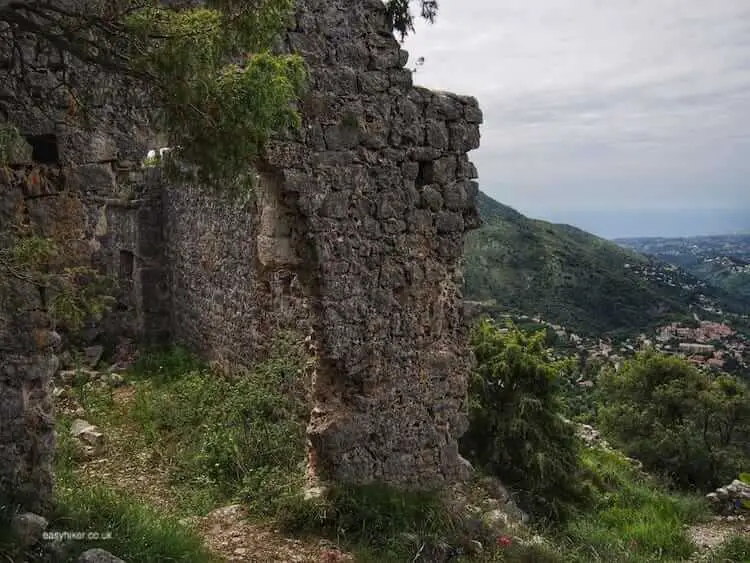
(128,528)
(516,431)
(734,550)
(164,365)
(580,402)
(676,419)
(210,74)
(73,294)
(375,517)
(138,532)
(242,436)
(401,17)
(12,144)
(220,113)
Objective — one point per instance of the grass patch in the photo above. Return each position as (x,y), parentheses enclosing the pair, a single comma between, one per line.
(226,437)
(379,523)
(735,550)
(131,530)
(138,533)
(634,519)
(166,364)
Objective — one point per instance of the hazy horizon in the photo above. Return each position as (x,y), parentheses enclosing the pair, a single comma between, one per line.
(614,223)
(648,223)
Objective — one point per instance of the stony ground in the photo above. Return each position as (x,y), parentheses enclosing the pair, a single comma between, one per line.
(710,535)
(226,531)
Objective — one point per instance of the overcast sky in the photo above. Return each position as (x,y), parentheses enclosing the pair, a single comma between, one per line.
(604,107)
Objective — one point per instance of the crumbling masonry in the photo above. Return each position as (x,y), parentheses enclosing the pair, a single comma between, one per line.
(354,235)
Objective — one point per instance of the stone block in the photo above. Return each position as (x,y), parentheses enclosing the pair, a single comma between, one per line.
(447,223)
(97,178)
(373,82)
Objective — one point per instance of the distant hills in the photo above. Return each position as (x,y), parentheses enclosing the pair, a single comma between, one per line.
(573,278)
(721,261)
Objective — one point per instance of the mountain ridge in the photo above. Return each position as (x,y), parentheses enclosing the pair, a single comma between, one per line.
(571,277)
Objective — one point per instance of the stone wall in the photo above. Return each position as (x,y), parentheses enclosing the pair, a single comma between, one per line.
(353,234)
(27,360)
(127,239)
(231,286)
(381,182)
(122,239)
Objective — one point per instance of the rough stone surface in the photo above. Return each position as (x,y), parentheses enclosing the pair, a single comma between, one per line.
(28,528)
(230,281)
(27,364)
(98,556)
(731,499)
(381,256)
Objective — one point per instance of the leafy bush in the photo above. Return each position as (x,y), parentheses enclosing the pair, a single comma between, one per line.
(516,431)
(687,424)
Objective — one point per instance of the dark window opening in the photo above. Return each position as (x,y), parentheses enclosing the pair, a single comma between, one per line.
(44,149)
(424,175)
(127,265)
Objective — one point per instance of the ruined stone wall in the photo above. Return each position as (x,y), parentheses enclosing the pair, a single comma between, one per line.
(128,245)
(61,188)
(76,208)
(384,188)
(27,360)
(364,209)
(354,234)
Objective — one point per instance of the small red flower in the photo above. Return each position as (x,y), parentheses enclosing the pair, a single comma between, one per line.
(504,541)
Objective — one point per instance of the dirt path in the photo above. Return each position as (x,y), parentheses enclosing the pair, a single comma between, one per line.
(710,535)
(130,466)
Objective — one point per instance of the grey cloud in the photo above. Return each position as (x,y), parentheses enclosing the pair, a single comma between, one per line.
(587,103)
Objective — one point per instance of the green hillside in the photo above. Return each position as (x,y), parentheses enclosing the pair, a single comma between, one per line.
(569,276)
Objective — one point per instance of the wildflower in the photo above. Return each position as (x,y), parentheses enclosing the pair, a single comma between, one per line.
(504,541)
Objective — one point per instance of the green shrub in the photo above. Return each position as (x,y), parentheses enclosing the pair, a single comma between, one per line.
(516,431)
(677,420)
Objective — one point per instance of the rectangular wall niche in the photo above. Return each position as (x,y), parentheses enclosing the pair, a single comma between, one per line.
(127,265)
(44,149)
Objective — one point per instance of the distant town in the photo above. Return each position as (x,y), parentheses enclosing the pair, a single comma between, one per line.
(709,344)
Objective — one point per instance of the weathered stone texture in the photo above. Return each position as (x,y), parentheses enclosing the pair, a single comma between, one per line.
(382,186)
(355,234)
(27,365)
(89,229)
(229,261)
